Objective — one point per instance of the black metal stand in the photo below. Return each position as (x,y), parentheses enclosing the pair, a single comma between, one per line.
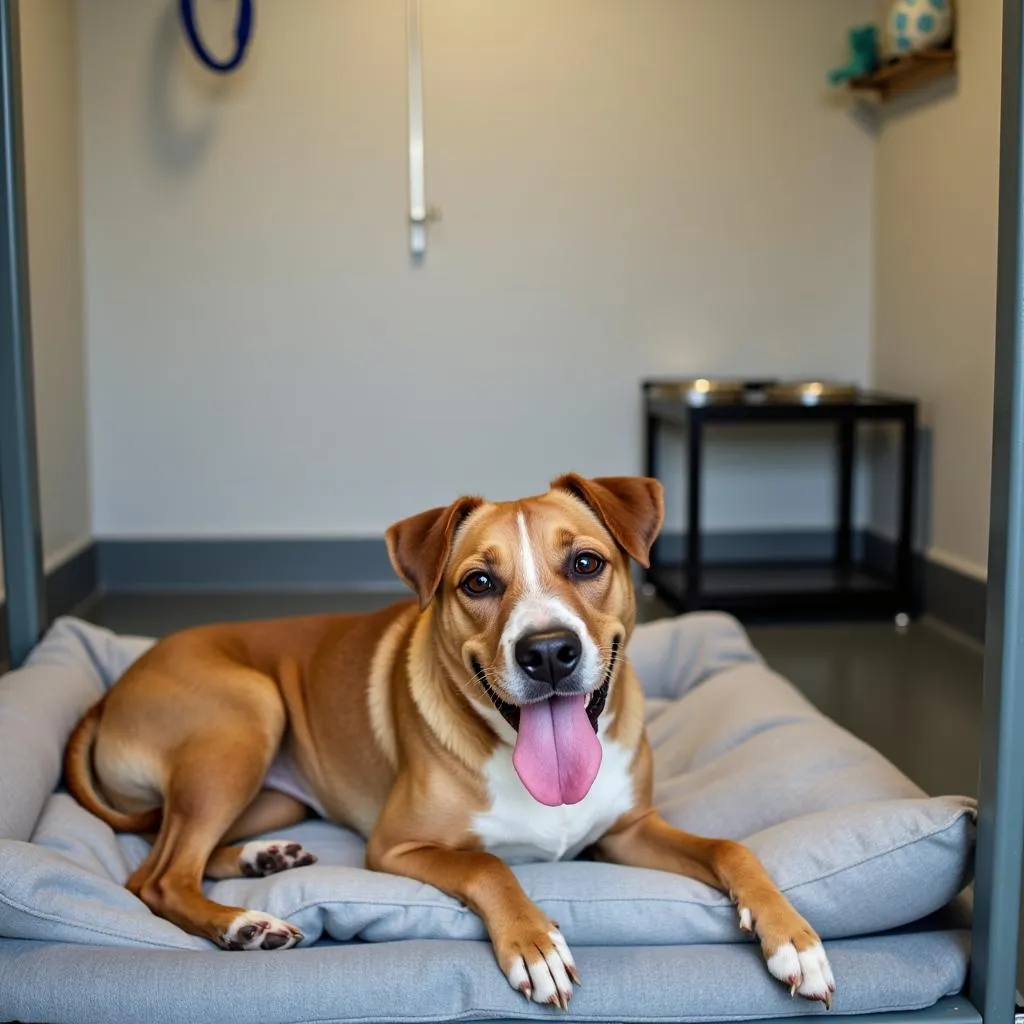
(843,586)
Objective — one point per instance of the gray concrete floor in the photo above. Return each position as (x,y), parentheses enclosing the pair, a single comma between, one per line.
(915,695)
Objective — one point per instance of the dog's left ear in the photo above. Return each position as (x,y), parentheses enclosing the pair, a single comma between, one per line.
(419,546)
(632,508)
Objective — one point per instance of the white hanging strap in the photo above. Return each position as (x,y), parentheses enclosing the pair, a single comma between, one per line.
(420,215)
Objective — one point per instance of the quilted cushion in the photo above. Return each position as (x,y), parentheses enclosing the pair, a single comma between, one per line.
(739,753)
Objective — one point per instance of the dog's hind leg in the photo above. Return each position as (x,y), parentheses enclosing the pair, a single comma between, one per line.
(271,810)
(210,784)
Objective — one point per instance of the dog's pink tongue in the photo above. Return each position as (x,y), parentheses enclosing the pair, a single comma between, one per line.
(557,752)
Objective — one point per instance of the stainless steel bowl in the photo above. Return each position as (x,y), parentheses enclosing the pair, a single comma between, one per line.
(700,390)
(810,392)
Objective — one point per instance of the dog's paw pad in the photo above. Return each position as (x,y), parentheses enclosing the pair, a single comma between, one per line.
(267,857)
(255,930)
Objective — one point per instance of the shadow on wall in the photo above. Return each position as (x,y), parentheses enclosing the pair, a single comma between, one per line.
(870,115)
(181,132)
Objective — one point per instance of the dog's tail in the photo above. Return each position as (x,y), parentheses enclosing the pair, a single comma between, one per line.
(81,783)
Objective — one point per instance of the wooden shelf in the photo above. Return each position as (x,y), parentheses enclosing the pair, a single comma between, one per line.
(907,73)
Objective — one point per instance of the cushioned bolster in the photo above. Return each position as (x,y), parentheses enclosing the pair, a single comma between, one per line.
(435,981)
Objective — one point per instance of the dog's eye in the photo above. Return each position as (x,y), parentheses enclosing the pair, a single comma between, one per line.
(587,564)
(476,584)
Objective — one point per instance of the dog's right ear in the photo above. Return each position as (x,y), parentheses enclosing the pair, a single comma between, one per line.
(632,508)
(419,546)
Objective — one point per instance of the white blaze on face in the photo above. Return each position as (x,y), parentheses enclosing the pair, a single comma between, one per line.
(557,754)
(537,611)
(527,563)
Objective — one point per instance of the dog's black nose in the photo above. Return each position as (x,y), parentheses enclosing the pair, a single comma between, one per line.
(548,657)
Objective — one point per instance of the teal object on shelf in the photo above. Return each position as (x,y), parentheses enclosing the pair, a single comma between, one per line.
(864,55)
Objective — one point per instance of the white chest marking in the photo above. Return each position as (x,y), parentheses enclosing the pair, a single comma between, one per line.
(517,828)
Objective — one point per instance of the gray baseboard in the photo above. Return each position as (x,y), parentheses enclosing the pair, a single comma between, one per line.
(226,565)
(328,564)
(356,563)
(68,587)
(953,598)
(959,601)
(725,546)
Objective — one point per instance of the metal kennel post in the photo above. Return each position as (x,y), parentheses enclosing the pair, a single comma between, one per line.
(19,484)
(991,992)
(996,928)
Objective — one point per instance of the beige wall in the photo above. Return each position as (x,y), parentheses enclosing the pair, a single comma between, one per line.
(619,200)
(53,198)
(935,280)
(610,190)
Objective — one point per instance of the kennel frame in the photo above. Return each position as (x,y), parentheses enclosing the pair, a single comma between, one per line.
(990,996)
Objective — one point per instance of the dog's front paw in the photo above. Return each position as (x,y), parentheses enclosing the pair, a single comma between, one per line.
(806,971)
(792,950)
(255,930)
(537,962)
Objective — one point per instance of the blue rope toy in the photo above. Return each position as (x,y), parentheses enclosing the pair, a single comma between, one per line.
(243,33)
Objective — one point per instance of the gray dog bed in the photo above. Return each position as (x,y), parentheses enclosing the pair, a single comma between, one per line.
(874,864)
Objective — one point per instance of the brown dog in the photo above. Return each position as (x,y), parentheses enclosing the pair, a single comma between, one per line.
(499,719)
